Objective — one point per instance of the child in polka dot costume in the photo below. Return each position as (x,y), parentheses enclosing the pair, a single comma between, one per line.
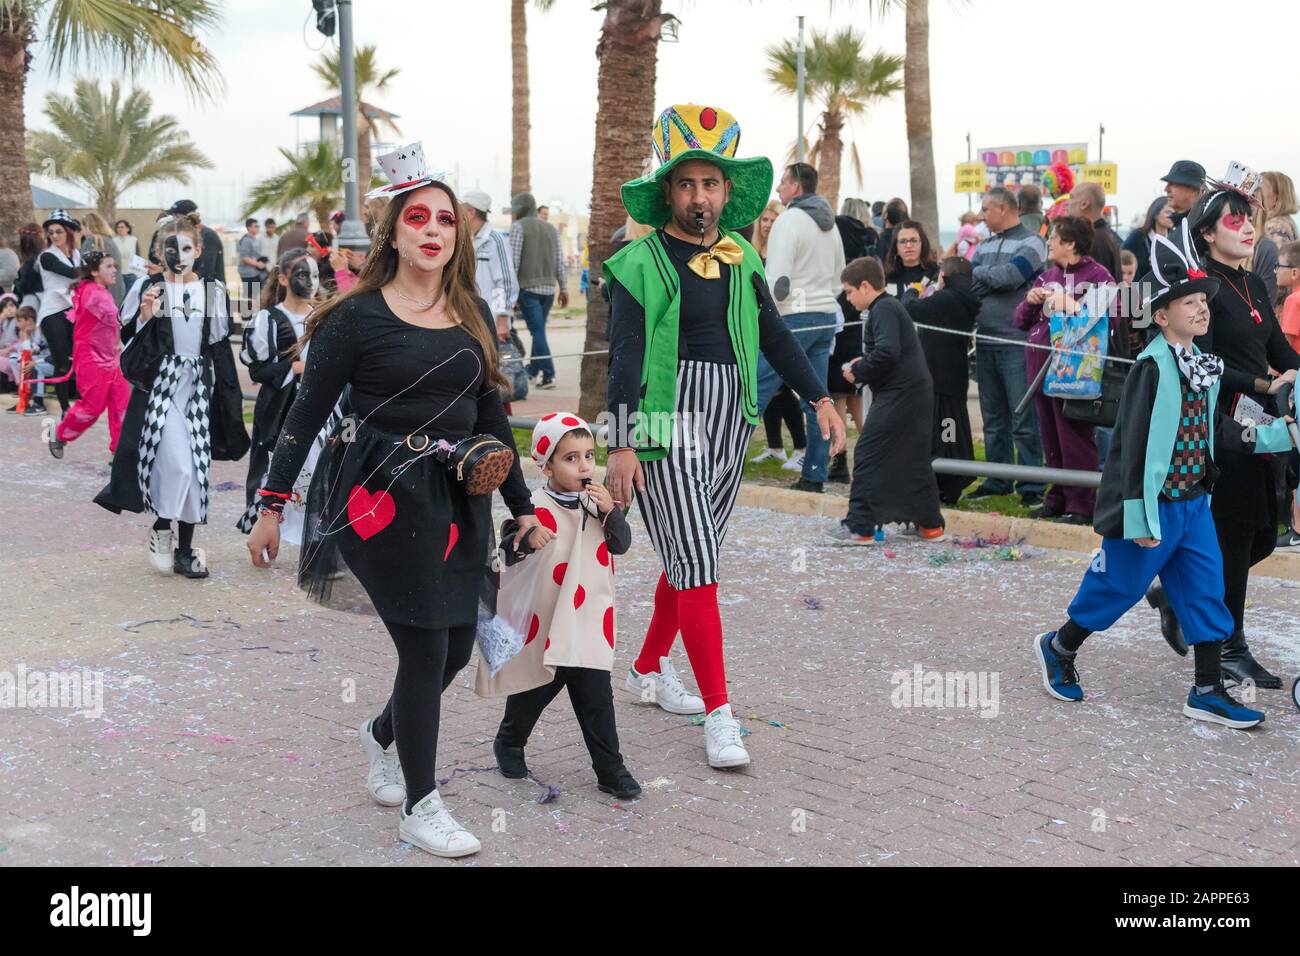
(559,579)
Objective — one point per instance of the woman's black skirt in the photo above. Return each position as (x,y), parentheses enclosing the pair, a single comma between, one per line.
(389,528)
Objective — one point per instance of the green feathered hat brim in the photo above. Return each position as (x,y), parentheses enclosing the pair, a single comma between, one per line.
(751,187)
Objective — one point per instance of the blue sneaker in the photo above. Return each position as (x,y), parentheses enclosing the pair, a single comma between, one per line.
(1218,707)
(1060,679)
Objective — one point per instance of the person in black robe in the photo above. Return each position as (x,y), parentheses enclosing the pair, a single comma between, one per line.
(953,306)
(892,477)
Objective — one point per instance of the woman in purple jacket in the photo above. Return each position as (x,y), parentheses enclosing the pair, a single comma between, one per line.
(1062,288)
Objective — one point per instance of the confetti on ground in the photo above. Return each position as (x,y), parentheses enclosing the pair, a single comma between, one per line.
(890,553)
(992,541)
(657,782)
(1000,553)
(812,603)
(227,486)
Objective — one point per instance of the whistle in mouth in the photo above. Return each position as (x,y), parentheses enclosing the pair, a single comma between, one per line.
(699,222)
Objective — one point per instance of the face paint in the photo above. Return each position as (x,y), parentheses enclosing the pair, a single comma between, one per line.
(416,215)
(178,253)
(447,219)
(1233,221)
(304,278)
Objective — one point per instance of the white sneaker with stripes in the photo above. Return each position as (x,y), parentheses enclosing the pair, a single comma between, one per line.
(722,739)
(795,463)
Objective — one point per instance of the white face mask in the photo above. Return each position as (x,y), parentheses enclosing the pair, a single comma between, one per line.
(179,253)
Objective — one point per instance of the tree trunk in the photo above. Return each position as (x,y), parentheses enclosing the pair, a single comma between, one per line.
(829,156)
(627,54)
(15,177)
(520,174)
(916,102)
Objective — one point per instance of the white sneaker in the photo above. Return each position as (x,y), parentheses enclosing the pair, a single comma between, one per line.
(668,691)
(795,463)
(430,827)
(384,781)
(160,550)
(769,454)
(722,739)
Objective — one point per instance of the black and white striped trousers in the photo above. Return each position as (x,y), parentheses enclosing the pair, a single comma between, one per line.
(689,494)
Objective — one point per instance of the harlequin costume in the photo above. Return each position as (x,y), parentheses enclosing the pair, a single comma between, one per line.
(1156,485)
(562,597)
(191,414)
(686,327)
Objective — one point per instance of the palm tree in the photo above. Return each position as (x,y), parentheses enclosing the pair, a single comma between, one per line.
(520,169)
(846,82)
(370,79)
(916,104)
(314,179)
(108,145)
(122,35)
(627,54)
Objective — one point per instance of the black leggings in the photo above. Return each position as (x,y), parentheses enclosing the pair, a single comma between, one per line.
(1242,547)
(593,705)
(784,406)
(58,336)
(427,662)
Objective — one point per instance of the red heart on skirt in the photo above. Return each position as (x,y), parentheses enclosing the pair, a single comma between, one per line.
(370,514)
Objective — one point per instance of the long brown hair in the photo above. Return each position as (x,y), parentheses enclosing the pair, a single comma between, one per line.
(459,286)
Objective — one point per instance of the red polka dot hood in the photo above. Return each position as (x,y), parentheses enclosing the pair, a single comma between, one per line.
(548,432)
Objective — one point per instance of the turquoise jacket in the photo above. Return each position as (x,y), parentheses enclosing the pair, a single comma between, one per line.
(1143,444)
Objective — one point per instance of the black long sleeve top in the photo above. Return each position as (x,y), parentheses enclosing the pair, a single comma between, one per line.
(617,532)
(52,263)
(891,353)
(702,332)
(405,380)
(1248,348)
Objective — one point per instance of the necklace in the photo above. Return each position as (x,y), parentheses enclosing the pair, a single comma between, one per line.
(418,303)
(1244,297)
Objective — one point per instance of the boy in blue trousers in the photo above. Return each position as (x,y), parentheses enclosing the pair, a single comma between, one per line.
(1153,507)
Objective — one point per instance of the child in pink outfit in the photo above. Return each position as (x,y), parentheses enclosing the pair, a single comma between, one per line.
(96,344)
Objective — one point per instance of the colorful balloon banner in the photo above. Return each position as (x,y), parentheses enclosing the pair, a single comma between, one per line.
(1016,166)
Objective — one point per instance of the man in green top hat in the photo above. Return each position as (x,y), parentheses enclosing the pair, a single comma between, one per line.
(690,312)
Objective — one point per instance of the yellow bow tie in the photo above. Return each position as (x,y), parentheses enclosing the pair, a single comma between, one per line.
(705,264)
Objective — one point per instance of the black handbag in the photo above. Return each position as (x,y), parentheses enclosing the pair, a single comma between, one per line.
(510,354)
(1103,410)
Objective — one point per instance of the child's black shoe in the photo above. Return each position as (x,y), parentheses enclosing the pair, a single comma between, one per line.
(510,760)
(618,782)
(185,561)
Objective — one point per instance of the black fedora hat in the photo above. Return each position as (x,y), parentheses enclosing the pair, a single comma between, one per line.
(1185,172)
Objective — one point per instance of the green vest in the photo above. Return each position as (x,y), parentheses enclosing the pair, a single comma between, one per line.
(645,268)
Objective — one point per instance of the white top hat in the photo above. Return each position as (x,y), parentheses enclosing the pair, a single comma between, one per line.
(1241,179)
(405,169)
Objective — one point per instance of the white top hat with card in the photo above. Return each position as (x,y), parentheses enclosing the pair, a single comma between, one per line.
(405,169)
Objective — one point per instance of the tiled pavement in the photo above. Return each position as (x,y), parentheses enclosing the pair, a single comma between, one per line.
(228,725)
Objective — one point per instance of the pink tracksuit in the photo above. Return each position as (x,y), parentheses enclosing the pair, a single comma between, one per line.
(96,345)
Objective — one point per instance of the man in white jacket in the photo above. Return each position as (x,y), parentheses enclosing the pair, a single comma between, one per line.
(494,270)
(804,260)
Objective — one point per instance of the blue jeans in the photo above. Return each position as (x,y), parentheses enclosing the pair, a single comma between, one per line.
(1000,374)
(535,308)
(817,346)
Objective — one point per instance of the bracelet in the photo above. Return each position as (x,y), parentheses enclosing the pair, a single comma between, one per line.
(824,400)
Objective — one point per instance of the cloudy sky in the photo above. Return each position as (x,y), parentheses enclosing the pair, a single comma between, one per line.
(1008,71)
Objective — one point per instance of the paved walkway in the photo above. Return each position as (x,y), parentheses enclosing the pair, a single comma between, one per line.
(229,708)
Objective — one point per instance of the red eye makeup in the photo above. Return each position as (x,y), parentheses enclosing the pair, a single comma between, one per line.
(416,215)
(446,218)
(1234,221)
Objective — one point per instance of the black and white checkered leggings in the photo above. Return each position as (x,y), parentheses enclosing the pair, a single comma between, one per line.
(689,494)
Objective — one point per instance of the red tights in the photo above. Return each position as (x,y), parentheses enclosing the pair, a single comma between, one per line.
(694,612)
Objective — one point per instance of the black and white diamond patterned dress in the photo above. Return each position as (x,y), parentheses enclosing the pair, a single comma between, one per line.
(175,443)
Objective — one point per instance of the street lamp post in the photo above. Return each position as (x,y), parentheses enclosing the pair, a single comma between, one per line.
(799,94)
(352,234)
